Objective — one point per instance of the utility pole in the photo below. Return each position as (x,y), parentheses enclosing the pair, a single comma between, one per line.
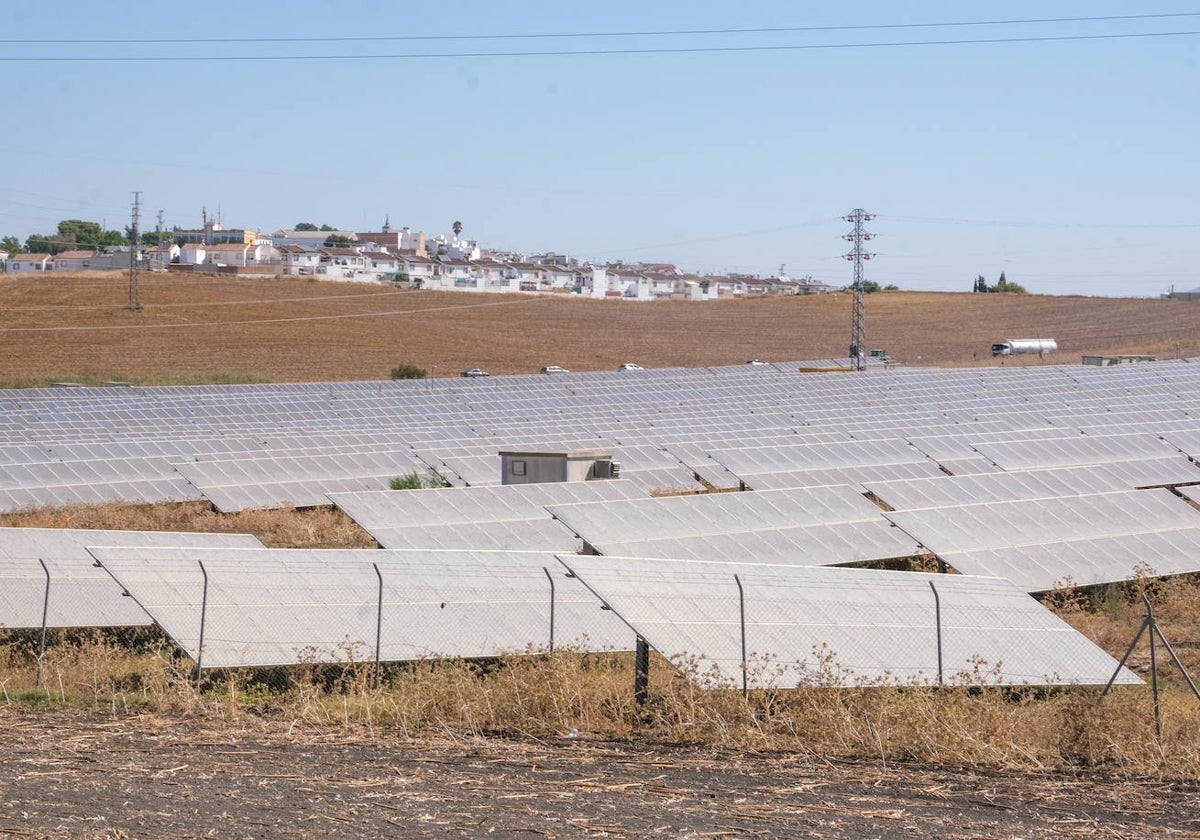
(158,229)
(858,323)
(135,238)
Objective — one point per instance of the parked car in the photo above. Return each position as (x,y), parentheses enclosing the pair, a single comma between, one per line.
(554,369)
(630,366)
(756,362)
(473,372)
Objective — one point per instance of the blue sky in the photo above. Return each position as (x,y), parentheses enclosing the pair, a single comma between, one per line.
(1071,165)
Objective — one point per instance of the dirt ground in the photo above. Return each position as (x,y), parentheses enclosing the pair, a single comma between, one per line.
(294,330)
(75,776)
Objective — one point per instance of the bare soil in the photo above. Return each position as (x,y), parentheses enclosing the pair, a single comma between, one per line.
(126,777)
(301,330)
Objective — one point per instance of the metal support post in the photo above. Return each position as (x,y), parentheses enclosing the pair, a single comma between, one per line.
(45,615)
(378,621)
(203,616)
(937,617)
(742,624)
(550,578)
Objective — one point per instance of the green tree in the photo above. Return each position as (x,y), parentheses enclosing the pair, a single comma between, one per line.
(336,240)
(304,226)
(327,227)
(457,227)
(980,284)
(74,234)
(10,245)
(1002,283)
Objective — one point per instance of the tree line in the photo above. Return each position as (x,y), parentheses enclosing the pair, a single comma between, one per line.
(1002,285)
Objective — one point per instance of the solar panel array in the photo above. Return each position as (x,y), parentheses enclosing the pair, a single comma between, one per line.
(1040,460)
(815,626)
(673,430)
(285,606)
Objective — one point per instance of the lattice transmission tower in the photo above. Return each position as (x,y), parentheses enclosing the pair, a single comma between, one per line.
(858,322)
(134,241)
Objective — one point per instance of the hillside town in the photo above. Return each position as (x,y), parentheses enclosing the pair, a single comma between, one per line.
(407,258)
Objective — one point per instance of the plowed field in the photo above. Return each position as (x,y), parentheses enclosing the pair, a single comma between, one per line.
(281,330)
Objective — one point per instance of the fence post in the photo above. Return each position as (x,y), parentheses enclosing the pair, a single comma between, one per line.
(378,621)
(45,614)
(203,616)
(937,615)
(550,578)
(742,622)
(641,672)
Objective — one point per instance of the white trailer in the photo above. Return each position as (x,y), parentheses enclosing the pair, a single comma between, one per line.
(1015,346)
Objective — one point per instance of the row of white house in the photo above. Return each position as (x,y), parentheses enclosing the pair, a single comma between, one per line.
(374,263)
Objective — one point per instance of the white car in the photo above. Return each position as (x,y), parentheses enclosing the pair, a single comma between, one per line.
(756,362)
(554,369)
(473,372)
(630,366)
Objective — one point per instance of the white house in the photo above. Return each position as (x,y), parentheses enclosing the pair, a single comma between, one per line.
(629,283)
(453,248)
(663,284)
(161,257)
(420,270)
(561,277)
(239,255)
(30,262)
(457,275)
(296,260)
(497,275)
(382,264)
(73,260)
(193,254)
(342,264)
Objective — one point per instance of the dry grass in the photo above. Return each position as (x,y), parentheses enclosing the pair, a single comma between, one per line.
(278,528)
(75,327)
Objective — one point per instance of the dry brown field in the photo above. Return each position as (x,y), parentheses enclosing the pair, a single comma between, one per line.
(73,326)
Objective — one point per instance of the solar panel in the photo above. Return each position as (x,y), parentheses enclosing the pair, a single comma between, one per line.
(820,626)
(1086,562)
(1046,520)
(951,491)
(285,606)
(825,526)
(79,594)
(1062,452)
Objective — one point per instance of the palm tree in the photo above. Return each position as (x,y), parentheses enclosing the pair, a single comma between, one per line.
(457,226)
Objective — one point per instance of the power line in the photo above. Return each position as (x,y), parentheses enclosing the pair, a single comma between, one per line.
(761,30)
(600,52)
